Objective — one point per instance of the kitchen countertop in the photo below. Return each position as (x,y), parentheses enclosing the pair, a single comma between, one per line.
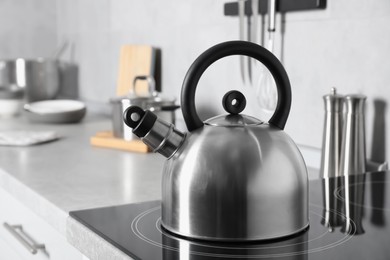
(69,174)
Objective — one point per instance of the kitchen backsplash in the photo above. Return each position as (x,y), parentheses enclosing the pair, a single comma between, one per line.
(344,46)
(28,29)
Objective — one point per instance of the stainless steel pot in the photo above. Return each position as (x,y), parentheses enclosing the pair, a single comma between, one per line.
(163,107)
(232,177)
(42,79)
(39,77)
(7,73)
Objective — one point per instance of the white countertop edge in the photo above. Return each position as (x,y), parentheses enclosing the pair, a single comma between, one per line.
(91,244)
(43,208)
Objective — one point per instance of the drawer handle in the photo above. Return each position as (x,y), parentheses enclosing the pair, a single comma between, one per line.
(32,248)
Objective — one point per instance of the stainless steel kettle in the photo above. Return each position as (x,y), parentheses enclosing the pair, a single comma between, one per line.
(232,177)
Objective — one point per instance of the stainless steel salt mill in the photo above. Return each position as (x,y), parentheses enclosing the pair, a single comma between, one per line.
(353,149)
(331,143)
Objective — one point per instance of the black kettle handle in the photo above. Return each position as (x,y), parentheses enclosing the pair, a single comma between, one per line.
(225,49)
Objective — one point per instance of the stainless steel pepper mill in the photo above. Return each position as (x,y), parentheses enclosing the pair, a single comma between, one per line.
(331,143)
(353,149)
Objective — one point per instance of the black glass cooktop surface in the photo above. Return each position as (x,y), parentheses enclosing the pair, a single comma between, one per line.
(349,219)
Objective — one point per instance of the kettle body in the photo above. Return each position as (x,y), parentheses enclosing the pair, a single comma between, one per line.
(232,177)
(212,191)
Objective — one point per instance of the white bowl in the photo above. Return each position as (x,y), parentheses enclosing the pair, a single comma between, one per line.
(11,100)
(55,111)
(10,107)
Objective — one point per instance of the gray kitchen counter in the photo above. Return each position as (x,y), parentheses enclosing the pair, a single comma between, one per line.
(69,174)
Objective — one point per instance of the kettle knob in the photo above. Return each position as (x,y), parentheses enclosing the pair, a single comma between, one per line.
(225,49)
(234,102)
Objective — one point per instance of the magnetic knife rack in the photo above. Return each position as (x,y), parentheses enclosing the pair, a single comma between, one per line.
(282,6)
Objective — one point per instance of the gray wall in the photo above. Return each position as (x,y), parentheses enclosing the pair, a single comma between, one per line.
(28,29)
(346,46)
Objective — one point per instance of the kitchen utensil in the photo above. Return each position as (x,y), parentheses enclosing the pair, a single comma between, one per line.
(353,149)
(265,88)
(242,36)
(254,34)
(232,177)
(60,50)
(332,136)
(11,100)
(135,60)
(247,32)
(162,106)
(55,111)
(271,23)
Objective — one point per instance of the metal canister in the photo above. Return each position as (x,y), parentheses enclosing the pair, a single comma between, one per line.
(331,144)
(353,148)
(39,77)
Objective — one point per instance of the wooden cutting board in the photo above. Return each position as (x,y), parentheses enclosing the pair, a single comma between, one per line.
(135,60)
(106,139)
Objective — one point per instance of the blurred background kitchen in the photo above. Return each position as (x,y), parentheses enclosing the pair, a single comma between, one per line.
(346,45)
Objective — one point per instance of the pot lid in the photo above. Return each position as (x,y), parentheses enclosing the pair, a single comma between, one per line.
(233,120)
(155,99)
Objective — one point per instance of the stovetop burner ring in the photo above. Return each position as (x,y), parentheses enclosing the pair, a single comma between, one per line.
(135,227)
(340,191)
(338,227)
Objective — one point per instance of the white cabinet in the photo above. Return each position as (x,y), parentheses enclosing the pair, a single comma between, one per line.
(23,234)
(7,252)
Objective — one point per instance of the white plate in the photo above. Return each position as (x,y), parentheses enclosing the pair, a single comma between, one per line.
(54,106)
(56,111)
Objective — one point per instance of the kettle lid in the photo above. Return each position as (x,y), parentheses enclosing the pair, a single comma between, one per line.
(233,102)
(233,120)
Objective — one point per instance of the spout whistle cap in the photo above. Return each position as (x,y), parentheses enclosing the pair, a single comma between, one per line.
(133,115)
(141,121)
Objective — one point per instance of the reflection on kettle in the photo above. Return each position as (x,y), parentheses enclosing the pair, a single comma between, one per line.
(295,248)
(344,203)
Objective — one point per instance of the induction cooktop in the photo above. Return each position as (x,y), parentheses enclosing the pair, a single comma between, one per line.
(349,219)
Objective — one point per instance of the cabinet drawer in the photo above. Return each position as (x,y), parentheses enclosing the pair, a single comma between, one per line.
(24,232)
(14,244)
(7,252)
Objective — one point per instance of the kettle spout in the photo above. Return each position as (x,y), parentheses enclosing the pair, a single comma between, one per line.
(160,136)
